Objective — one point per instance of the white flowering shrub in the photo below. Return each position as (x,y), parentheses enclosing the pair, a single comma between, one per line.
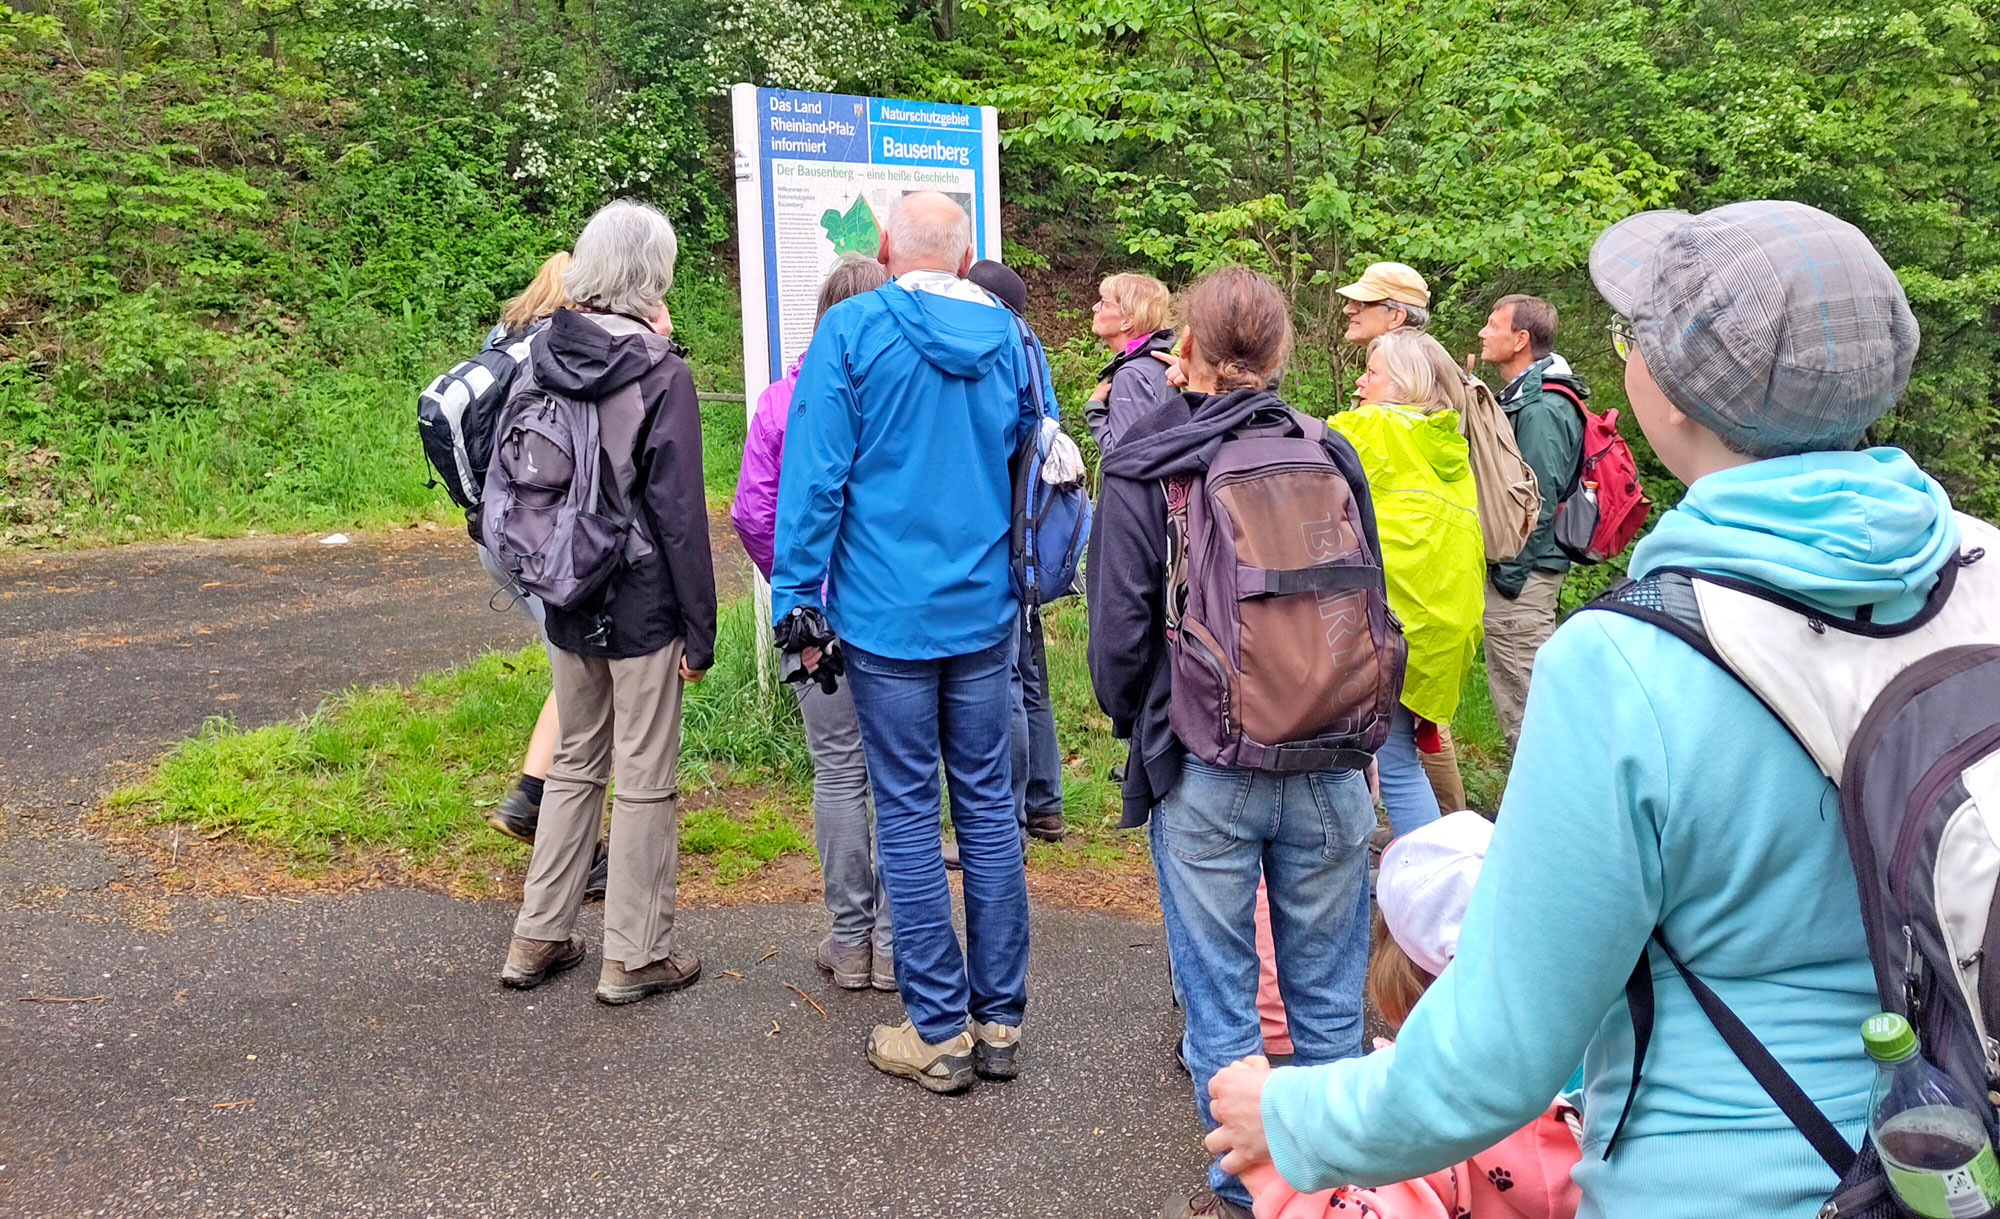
(819,45)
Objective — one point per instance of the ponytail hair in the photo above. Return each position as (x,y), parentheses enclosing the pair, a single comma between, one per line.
(543,295)
(1241,324)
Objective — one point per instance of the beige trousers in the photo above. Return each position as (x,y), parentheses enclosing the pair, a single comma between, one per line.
(619,719)
(1441,768)
(1515,630)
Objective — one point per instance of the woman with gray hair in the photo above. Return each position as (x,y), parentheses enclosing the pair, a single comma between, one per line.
(619,659)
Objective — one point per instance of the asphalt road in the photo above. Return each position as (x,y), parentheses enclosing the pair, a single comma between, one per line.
(386,1073)
(355,1055)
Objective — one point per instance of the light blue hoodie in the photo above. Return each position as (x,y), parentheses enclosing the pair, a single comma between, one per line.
(1651,789)
(894,490)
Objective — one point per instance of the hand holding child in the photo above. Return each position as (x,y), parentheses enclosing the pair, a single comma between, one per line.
(1236,1102)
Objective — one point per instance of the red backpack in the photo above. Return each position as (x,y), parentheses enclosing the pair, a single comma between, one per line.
(1604,507)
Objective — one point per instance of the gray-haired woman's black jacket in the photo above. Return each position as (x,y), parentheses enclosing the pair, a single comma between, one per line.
(1138,387)
(650,430)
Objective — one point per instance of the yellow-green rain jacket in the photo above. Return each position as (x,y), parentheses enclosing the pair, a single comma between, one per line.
(1428,516)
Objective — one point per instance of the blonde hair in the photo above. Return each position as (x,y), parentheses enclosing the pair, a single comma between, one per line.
(1395,982)
(542,296)
(1142,299)
(1423,372)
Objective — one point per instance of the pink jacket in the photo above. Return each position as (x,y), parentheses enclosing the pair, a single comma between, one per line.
(1524,1176)
(754,511)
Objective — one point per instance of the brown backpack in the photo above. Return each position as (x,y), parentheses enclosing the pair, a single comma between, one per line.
(1510,501)
(1285,655)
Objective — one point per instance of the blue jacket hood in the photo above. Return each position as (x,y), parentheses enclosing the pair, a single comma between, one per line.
(957,337)
(1837,530)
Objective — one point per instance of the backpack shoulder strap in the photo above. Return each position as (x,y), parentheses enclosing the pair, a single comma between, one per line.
(1769,1073)
(1666,599)
(1575,399)
(1177,489)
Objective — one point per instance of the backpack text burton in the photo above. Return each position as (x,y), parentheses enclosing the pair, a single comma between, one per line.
(1285,655)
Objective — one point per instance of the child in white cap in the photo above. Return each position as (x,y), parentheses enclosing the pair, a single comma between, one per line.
(1420,897)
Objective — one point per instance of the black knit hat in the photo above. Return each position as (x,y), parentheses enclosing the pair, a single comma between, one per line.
(1001,281)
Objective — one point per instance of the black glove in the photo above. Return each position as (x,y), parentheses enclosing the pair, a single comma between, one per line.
(805,627)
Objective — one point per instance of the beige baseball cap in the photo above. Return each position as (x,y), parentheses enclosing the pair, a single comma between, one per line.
(1390,281)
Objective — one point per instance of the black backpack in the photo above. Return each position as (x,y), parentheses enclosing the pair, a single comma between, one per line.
(458,413)
(1905,718)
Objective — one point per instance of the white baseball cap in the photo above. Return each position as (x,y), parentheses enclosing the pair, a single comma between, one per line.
(1425,882)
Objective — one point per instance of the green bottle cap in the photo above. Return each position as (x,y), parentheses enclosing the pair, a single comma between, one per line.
(1888,1037)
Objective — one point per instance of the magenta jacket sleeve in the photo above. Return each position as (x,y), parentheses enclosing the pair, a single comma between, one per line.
(754,511)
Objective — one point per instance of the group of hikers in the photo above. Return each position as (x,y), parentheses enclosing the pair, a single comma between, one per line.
(1282,613)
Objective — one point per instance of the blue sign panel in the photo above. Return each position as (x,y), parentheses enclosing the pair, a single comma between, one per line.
(830,168)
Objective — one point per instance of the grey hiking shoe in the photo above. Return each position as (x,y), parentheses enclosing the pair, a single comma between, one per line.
(848,963)
(515,816)
(616,985)
(898,1049)
(1203,1204)
(882,972)
(994,1050)
(533,962)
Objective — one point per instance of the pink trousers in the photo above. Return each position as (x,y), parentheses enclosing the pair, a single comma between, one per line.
(1270,1007)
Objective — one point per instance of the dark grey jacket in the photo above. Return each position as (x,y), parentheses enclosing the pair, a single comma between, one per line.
(1138,388)
(1125,576)
(650,431)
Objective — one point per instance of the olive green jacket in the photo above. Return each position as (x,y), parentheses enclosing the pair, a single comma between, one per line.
(1549,429)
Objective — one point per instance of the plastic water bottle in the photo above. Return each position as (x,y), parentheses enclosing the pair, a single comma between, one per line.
(1932,1140)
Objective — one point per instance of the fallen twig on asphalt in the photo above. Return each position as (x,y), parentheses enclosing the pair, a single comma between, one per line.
(774,1029)
(808,998)
(231,1104)
(58,999)
(767,956)
(730,973)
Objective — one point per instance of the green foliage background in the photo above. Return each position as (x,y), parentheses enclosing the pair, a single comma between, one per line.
(238,234)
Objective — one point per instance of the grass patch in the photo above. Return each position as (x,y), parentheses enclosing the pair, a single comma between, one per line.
(1483,757)
(314,431)
(406,768)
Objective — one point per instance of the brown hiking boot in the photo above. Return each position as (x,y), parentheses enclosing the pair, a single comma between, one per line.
(616,985)
(1046,826)
(994,1049)
(533,962)
(1203,1204)
(900,1050)
(848,963)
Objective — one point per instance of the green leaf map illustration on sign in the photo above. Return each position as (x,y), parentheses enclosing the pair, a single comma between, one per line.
(853,233)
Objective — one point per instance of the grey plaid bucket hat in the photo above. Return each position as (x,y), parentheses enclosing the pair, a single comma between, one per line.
(1772,324)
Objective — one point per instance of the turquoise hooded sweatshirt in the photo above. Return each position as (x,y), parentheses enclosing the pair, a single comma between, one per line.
(1651,789)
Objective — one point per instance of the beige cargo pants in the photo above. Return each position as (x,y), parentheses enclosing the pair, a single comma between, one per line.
(1515,630)
(622,719)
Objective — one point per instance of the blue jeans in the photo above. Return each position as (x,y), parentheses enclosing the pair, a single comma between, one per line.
(915,714)
(1037,762)
(1406,789)
(1213,836)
